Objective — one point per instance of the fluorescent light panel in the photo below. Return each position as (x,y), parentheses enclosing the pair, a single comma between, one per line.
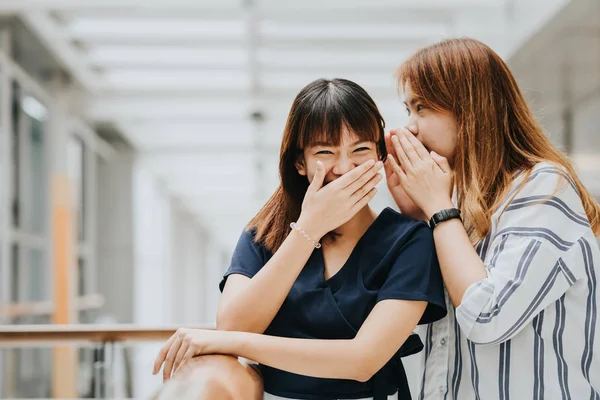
(144,28)
(155,136)
(34,108)
(315,58)
(156,109)
(175,80)
(360,5)
(210,181)
(297,80)
(222,188)
(336,30)
(162,56)
(206,163)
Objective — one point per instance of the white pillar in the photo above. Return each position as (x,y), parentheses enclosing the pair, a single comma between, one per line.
(115,257)
(5,184)
(216,264)
(152,270)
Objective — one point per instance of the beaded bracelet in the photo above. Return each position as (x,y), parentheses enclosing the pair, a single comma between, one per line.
(306,236)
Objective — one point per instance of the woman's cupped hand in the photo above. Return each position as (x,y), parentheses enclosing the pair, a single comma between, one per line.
(424,177)
(325,208)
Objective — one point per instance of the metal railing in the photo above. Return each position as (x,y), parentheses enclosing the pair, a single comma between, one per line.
(41,308)
(102,337)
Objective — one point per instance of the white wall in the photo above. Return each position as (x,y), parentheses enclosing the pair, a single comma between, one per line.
(173,282)
(152,277)
(558,70)
(528,17)
(115,235)
(586,142)
(217,261)
(189,268)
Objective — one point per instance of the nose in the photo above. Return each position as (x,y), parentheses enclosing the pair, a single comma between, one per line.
(342,165)
(412,126)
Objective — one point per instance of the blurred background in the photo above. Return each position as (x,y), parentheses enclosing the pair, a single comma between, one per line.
(138,137)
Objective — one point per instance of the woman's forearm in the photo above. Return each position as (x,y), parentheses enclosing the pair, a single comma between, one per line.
(335,359)
(378,339)
(257,303)
(460,264)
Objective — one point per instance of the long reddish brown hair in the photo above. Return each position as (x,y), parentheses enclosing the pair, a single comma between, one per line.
(319,113)
(497,133)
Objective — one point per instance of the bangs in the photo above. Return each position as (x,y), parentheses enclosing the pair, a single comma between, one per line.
(425,73)
(333,110)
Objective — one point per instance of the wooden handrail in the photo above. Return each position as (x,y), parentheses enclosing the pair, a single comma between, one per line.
(39,308)
(52,334)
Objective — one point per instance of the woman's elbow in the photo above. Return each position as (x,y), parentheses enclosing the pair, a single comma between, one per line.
(364,369)
(364,375)
(225,322)
(486,334)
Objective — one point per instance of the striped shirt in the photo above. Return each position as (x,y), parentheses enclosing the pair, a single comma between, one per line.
(530,330)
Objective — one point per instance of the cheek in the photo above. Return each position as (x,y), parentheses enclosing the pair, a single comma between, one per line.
(362,158)
(312,167)
(437,136)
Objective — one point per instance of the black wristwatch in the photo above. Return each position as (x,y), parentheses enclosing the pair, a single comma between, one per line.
(444,215)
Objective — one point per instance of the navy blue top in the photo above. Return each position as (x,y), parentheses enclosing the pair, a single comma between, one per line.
(394,259)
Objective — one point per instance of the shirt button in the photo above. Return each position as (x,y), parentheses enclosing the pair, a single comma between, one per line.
(443,341)
(442,389)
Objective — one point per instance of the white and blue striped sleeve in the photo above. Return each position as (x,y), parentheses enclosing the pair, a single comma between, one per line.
(532,259)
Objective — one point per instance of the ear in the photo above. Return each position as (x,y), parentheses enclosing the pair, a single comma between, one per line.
(301,166)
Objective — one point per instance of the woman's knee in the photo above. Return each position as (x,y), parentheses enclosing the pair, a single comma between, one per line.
(200,388)
(219,377)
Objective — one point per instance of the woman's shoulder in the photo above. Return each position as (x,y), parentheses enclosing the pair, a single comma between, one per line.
(545,177)
(543,200)
(395,225)
(398,220)
(248,242)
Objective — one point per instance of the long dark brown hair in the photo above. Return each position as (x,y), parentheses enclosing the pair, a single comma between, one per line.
(319,113)
(497,135)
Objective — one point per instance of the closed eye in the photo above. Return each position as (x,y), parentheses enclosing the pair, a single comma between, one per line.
(324,152)
(362,149)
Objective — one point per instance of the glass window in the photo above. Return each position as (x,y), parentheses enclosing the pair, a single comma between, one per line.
(35,171)
(39,278)
(16,157)
(14,273)
(37,176)
(33,367)
(76,164)
(81,277)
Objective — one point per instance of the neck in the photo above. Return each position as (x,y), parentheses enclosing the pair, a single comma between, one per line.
(356,226)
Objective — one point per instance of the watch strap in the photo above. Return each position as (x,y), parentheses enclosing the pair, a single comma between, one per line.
(444,215)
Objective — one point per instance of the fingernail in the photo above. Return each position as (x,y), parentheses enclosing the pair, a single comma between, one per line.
(379,164)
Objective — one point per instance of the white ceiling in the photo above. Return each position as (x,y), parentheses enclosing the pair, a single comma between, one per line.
(181,78)
(559,73)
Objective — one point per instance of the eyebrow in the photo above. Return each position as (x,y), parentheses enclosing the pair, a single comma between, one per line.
(325,144)
(413,101)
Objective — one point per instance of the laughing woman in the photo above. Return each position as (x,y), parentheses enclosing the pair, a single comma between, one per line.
(522,266)
(322,292)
